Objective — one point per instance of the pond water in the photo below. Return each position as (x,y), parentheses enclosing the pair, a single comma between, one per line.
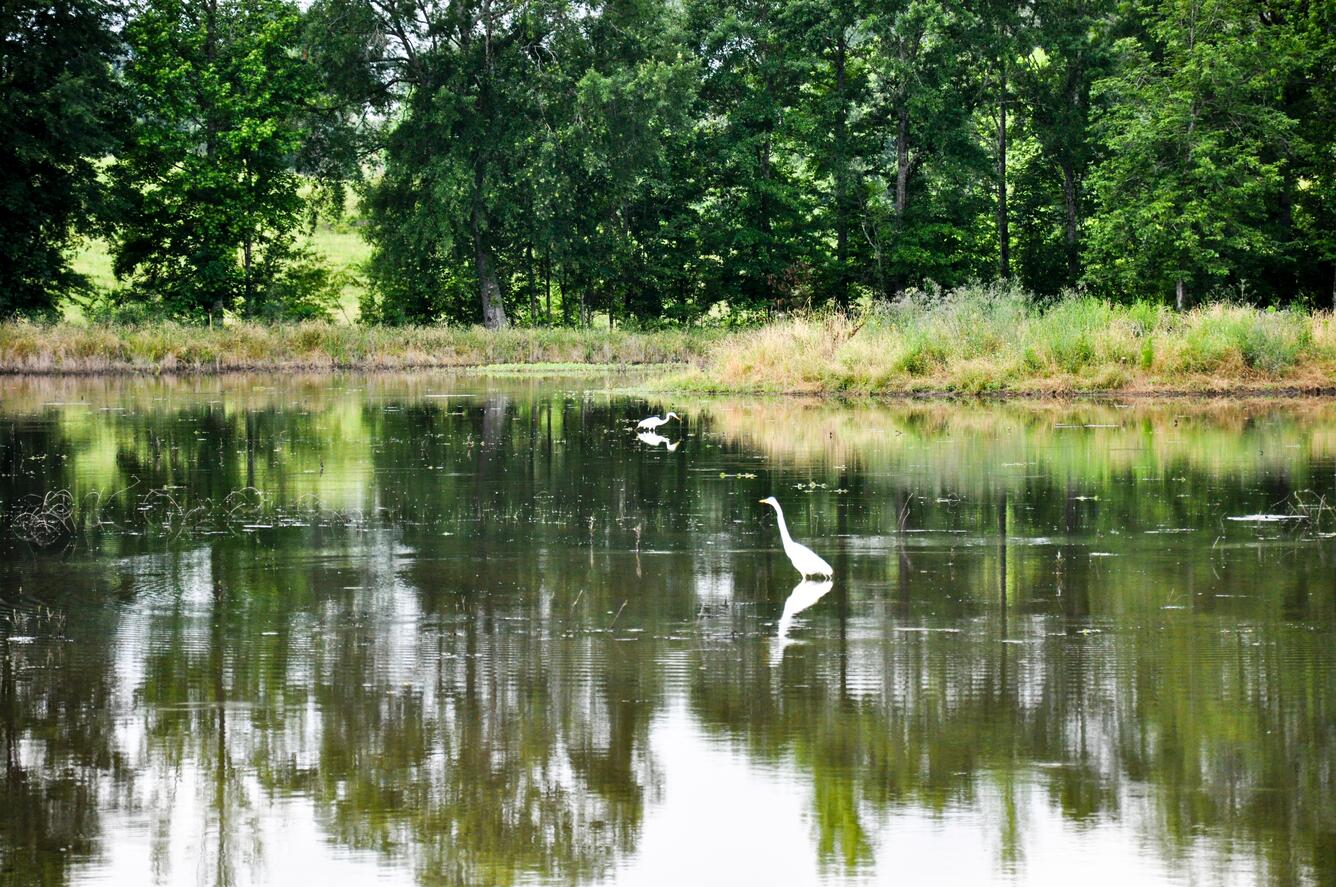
(462,630)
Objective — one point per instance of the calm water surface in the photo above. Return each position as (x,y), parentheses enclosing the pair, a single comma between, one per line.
(454,630)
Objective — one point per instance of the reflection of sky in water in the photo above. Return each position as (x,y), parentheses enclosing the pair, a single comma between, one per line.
(721,820)
(514,643)
(726,821)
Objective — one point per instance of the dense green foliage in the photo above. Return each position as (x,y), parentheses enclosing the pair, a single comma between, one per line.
(208,196)
(57,113)
(545,161)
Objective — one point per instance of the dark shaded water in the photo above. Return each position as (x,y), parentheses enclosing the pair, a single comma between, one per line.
(472,631)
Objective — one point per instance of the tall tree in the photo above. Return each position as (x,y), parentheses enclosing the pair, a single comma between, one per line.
(924,93)
(1188,127)
(209,197)
(756,215)
(1052,82)
(1312,102)
(1001,41)
(465,72)
(526,132)
(833,131)
(58,116)
(606,142)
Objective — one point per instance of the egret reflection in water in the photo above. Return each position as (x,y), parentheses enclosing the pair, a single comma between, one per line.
(652,439)
(805,594)
(1050,643)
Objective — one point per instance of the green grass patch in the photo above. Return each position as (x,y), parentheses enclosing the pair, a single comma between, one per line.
(339,246)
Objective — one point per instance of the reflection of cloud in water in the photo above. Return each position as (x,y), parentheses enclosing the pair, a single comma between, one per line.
(713,586)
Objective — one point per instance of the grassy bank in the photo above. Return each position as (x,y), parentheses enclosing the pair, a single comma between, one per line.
(974,340)
(169,347)
(993,340)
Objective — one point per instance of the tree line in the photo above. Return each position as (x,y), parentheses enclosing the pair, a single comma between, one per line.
(543,161)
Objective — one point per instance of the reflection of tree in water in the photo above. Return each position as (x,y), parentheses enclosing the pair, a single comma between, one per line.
(498,763)
(50,790)
(57,730)
(1221,732)
(444,686)
(435,726)
(57,700)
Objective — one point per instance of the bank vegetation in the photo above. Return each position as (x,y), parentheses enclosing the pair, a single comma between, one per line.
(980,340)
(168,347)
(992,339)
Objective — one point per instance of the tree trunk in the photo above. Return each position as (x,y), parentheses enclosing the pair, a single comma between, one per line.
(1069,198)
(841,177)
(247,284)
(1180,295)
(902,169)
(902,166)
(211,129)
(533,285)
(562,282)
(489,287)
(1003,235)
(760,288)
(547,286)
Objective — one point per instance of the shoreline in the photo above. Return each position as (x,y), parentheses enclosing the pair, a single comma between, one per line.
(970,344)
(1240,392)
(298,369)
(666,387)
(155,349)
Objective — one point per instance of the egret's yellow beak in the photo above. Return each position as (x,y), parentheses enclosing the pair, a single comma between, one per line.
(761,501)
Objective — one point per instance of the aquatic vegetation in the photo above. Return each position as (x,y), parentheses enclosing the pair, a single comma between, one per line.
(169,512)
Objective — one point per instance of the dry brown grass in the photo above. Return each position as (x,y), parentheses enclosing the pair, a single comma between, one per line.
(169,347)
(990,340)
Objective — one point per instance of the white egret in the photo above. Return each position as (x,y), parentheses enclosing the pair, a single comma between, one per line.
(652,422)
(653,440)
(804,560)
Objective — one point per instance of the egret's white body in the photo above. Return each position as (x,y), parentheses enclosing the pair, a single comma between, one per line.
(653,440)
(653,422)
(804,560)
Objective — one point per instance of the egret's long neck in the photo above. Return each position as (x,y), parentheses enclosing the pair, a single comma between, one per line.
(783,527)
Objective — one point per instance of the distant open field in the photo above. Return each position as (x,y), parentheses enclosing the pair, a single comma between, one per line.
(338,243)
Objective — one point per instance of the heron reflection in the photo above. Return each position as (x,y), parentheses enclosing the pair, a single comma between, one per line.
(654,440)
(804,595)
